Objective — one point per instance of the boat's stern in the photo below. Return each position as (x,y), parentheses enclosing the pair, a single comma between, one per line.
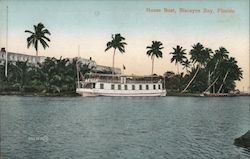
(86,92)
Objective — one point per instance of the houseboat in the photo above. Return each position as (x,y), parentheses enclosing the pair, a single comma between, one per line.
(94,84)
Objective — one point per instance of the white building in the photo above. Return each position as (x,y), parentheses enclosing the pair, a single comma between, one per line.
(100,68)
(13,57)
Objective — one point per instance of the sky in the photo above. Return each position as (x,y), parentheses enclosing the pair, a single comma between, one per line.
(90,24)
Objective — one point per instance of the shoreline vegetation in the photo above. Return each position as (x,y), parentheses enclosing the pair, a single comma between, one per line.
(33,94)
(74,94)
(204,71)
(53,77)
(57,77)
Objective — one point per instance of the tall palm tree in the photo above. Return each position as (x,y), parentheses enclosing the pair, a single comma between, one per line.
(199,55)
(39,35)
(219,55)
(178,56)
(216,61)
(154,51)
(230,70)
(117,42)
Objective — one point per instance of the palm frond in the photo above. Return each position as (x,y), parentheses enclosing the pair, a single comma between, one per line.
(45,38)
(44,44)
(116,42)
(46,31)
(27,31)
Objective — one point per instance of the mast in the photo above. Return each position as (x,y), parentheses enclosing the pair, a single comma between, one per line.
(6,52)
(77,68)
(78,51)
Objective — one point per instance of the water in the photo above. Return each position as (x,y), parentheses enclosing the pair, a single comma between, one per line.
(123,127)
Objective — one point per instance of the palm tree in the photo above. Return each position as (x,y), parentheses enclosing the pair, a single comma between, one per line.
(39,35)
(186,64)
(199,55)
(178,56)
(231,71)
(217,59)
(116,43)
(221,54)
(154,51)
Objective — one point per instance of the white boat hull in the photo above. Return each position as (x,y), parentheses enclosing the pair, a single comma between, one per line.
(100,92)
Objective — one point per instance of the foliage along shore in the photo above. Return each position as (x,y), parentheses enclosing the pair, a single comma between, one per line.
(74,94)
(206,70)
(210,72)
(57,77)
(53,77)
(40,94)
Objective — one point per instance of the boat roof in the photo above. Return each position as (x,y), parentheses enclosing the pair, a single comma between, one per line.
(121,75)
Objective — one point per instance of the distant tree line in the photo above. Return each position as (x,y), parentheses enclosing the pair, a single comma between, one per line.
(57,76)
(216,73)
(205,71)
(210,72)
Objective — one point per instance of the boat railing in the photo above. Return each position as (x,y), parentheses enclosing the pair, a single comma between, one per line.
(122,81)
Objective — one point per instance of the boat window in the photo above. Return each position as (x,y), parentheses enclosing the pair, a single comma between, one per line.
(93,85)
(126,87)
(101,86)
(119,87)
(112,86)
(133,87)
(140,87)
(88,85)
(159,86)
(146,87)
(154,87)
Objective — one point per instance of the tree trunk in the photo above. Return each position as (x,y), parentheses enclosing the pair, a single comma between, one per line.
(209,81)
(178,68)
(212,84)
(224,79)
(191,79)
(152,71)
(211,74)
(216,66)
(113,64)
(36,52)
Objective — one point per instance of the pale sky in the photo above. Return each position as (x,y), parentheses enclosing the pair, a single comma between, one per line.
(91,23)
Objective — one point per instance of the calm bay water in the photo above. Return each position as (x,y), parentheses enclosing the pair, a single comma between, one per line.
(123,127)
